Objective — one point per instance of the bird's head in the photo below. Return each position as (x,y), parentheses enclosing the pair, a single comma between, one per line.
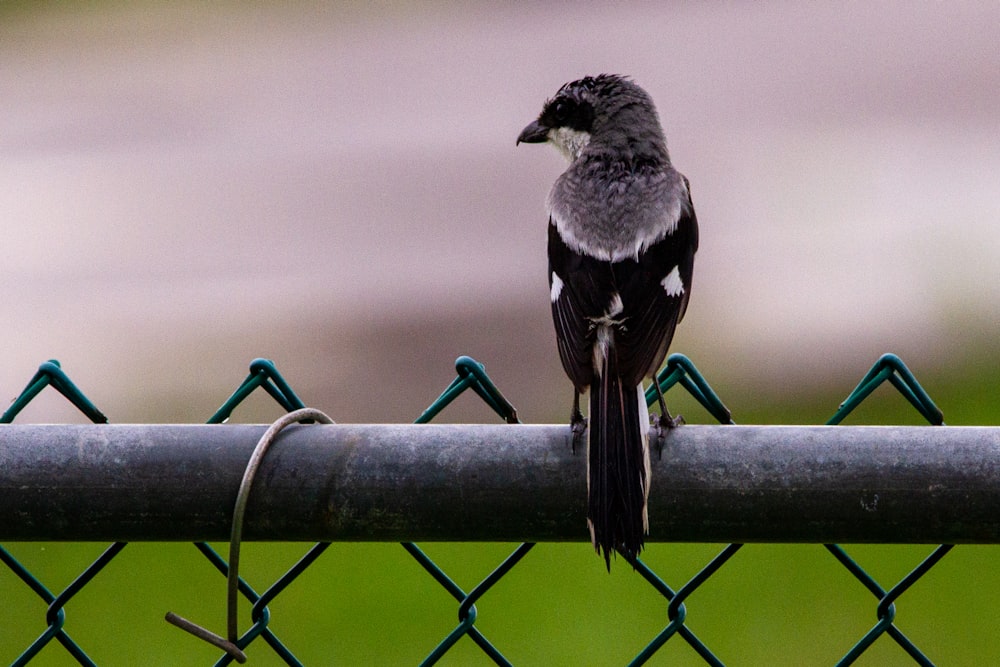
(608,110)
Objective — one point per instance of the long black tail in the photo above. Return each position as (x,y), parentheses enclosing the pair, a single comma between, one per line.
(619,464)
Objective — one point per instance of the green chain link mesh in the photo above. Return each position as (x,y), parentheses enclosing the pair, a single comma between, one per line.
(471,375)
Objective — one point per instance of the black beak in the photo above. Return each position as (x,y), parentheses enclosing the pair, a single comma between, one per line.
(536,133)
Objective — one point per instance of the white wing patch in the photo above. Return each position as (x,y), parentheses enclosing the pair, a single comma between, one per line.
(672,284)
(557,285)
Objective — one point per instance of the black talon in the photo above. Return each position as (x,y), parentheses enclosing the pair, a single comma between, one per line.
(669,423)
(664,422)
(577,424)
(579,428)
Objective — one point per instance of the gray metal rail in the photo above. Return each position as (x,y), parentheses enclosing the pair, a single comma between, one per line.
(495,483)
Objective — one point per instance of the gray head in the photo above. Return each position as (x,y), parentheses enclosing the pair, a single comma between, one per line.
(605,115)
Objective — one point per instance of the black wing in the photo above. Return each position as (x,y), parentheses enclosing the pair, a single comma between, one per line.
(649,311)
(655,292)
(577,284)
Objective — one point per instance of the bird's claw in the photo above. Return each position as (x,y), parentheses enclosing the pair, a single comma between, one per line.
(661,425)
(578,426)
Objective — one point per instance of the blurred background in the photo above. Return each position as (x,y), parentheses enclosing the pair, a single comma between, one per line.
(187,186)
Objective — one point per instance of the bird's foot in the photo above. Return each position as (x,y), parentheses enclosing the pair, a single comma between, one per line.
(661,425)
(578,426)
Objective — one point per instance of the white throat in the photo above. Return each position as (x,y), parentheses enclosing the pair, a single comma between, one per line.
(570,142)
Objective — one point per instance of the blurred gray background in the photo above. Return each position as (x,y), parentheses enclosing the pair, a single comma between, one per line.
(187,186)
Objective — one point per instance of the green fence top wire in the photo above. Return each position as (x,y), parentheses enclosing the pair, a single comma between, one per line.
(50,374)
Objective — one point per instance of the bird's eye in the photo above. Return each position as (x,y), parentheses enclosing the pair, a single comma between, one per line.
(567,112)
(561,110)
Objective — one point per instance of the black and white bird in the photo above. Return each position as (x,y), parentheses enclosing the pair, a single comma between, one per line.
(622,240)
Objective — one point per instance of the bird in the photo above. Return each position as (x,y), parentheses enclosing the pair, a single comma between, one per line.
(622,237)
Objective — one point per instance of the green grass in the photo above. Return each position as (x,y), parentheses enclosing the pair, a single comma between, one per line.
(372,604)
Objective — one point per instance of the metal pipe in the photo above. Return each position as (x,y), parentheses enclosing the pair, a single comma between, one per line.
(495,483)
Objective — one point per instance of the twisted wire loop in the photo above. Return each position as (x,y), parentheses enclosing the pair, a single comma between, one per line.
(239,514)
(263,376)
(51,374)
(888,368)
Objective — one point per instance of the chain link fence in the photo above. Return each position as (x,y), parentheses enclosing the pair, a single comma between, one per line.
(58,643)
